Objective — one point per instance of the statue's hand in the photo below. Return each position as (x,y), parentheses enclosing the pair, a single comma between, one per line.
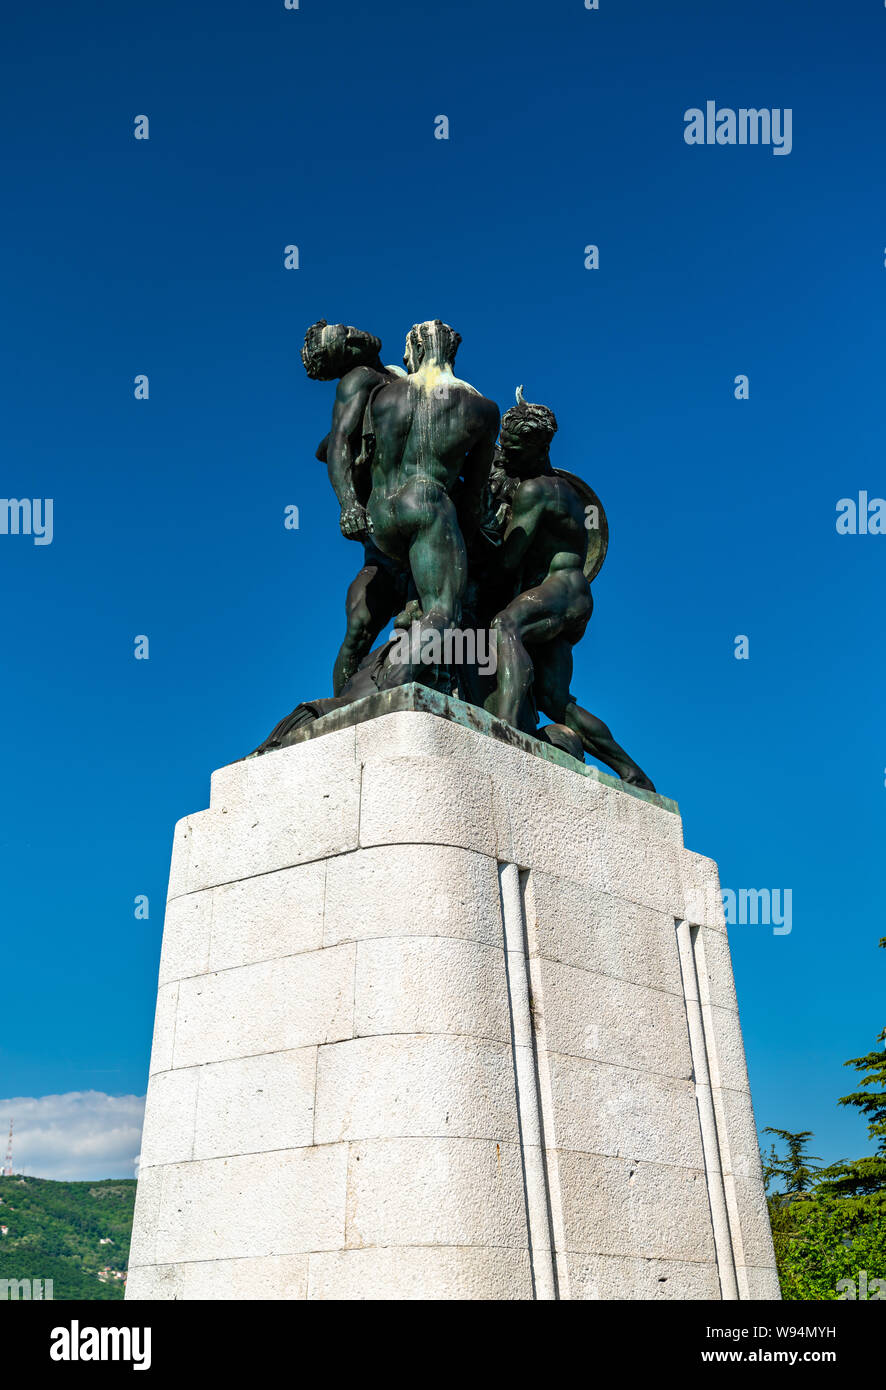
(354,522)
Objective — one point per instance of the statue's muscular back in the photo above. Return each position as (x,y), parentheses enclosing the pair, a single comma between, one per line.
(427,430)
(425,425)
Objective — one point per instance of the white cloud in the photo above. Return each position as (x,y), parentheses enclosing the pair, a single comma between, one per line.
(80,1136)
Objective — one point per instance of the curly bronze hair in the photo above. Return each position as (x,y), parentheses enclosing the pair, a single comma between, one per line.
(525,418)
(433,335)
(331,349)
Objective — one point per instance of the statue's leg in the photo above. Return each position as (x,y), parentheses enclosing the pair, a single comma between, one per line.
(597,739)
(515,671)
(438,560)
(373,598)
(533,620)
(552,681)
(438,564)
(600,744)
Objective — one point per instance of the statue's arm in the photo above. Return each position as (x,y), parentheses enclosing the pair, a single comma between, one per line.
(477,466)
(347,416)
(527,512)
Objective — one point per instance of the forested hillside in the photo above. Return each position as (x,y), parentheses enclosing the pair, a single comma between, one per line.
(74,1233)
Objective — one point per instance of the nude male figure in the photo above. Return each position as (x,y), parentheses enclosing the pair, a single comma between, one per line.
(381,587)
(422,434)
(543,551)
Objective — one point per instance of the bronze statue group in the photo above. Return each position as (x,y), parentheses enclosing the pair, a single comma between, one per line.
(467,531)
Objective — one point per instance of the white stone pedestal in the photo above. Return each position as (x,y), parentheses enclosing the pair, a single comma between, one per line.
(444,1016)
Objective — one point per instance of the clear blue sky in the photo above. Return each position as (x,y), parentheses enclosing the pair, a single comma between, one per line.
(165,257)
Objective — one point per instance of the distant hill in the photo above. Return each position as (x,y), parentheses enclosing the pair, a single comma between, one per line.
(55,1230)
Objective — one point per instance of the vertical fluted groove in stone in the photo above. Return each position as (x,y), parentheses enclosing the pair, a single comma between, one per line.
(707,1119)
(526,1079)
(545,1094)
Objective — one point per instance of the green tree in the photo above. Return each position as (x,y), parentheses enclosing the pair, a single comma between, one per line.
(832,1239)
(865,1177)
(829,1224)
(796,1168)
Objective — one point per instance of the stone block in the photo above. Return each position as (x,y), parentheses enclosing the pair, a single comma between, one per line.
(256,1104)
(426,801)
(412,890)
(430,985)
(617,1277)
(268,917)
(609,1020)
(275,1006)
(622,1206)
(283,1203)
(404,1273)
(435,1192)
(422,1086)
(164,1028)
(604,1109)
(186,932)
(592,930)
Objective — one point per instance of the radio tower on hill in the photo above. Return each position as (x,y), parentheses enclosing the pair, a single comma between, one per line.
(7,1171)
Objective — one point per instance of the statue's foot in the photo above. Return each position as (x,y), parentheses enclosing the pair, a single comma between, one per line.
(636,777)
(397,673)
(562,737)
